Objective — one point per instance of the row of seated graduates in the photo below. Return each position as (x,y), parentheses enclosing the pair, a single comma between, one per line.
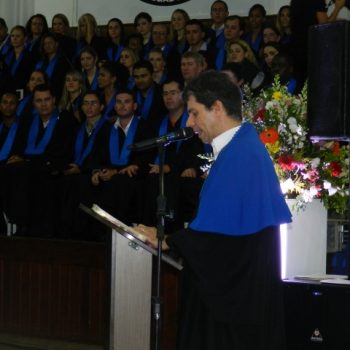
(58,53)
(50,163)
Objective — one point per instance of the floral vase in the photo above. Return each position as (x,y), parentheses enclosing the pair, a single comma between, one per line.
(304,241)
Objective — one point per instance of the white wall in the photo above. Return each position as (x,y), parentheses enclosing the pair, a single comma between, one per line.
(126,10)
(18,11)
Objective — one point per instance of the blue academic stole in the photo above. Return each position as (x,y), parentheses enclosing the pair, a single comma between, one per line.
(121,158)
(79,152)
(131,83)
(22,104)
(38,149)
(7,146)
(109,107)
(163,130)
(50,67)
(220,59)
(94,83)
(113,53)
(145,104)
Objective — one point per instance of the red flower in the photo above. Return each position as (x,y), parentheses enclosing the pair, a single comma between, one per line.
(336,148)
(285,161)
(269,135)
(260,116)
(335,169)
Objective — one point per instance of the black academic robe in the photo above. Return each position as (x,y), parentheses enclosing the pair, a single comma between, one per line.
(178,189)
(32,192)
(231,295)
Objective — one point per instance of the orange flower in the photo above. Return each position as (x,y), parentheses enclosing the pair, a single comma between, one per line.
(269,135)
(336,148)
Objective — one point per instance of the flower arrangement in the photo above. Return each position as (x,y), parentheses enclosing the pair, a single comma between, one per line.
(306,170)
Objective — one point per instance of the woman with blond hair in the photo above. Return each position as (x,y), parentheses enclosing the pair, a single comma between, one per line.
(73,90)
(240,52)
(128,58)
(178,21)
(88,35)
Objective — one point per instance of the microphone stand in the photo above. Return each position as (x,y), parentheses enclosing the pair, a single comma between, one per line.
(161,214)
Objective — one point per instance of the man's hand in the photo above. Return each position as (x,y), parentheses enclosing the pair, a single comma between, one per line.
(130,170)
(95,178)
(107,174)
(190,172)
(155,168)
(73,169)
(14,159)
(151,234)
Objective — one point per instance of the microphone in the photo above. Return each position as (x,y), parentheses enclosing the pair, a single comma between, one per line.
(181,134)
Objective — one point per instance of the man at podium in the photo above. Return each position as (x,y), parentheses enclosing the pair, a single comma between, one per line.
(231,295)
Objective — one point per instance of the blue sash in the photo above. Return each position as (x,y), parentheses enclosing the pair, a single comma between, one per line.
(131,83)
(30,44)
(291,86)
(109,107)
(220,40)
(166,50)
(113,53)
(79,153)
(22,104)
(145,107)
(94,83)
(123,157)
(220,59)
(163,78)
(50,67)
(6,147)
(33,133)
(163,130)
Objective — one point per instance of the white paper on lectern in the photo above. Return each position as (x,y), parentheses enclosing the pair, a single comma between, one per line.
(98,210)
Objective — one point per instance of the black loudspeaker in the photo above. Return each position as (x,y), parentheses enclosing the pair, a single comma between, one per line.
(329,81)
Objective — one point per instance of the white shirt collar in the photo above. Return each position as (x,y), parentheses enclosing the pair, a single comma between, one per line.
(219,142)
(126,129)
(219,30)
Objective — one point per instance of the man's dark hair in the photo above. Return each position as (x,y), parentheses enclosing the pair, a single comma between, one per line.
(126,91)
(196,22)
(143,15)
(214,86)
(179,83)
(96,94)
(3,23)
(219,2)
(240,20)
(258,7)
(143,64)
(44,87)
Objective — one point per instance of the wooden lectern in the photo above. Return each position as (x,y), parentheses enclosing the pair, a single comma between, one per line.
(130,285)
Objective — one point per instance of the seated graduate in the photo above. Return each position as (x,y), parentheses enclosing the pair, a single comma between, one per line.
(8,141)
(192,64)
(25,106)
(77,173)
(60,26)
(72,94)
(115,39)
(196,39)
(30,174)
(5,43)
(148,94)
(218,13)
(178,21)
(88,61)
(231,297)
(181,164)
(282,65)
(143,26)
(19,60)
(116,183)
(52,62)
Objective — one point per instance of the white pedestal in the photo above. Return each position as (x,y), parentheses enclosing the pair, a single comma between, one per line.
(304,241)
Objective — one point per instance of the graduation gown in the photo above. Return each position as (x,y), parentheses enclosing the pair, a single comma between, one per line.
(231,292)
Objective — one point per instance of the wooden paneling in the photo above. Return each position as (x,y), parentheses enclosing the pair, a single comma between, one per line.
(54,289)
(59,290)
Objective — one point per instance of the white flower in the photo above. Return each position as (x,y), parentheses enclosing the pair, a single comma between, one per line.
(287,186)
(269,105)
(315,163)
